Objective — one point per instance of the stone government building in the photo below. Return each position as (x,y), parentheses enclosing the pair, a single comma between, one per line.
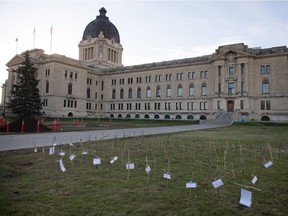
(251,83)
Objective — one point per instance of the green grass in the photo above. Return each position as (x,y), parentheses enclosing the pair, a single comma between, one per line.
(32,183)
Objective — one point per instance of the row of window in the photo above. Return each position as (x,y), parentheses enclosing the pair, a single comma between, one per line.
(264,105)
(112,55)
(70,103)
(157,78)
(231,70)
(158,91)
(70,74)
(157,106)
(88,53)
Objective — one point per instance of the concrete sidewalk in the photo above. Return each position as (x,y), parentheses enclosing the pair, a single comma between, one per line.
(22,141)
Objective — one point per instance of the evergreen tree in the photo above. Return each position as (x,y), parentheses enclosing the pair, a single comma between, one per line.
(25,94)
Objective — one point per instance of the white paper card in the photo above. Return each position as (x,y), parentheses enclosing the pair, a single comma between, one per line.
(217,183)
(96,161)
(254,180)
(130,166)
(62,165)
(51,151)
(268,164)
(246,198)
(167,176)
(191,185)
(84,152)
(114,159)
(72,156)
(148,169)
(61,153)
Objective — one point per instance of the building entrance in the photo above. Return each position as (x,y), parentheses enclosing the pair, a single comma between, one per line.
(230,106)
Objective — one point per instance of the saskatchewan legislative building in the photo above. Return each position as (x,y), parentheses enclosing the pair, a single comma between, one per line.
(249,83)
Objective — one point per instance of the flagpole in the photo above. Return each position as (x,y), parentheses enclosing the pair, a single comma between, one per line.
(51,30)
(34,38)
(16,45)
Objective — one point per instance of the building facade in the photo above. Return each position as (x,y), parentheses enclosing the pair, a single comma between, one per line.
(250,82)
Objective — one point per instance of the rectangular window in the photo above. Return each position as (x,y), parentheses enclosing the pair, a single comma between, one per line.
(268,69)
(218,105)
(201,105)
(201,74)
(47,72)
(265,69)
(231,71)
(268,105)
(242,68)
(231,88)
(262,105)
(242,87)
(219,87)
(65,73)
(219,70)
(241,104)
(64,103)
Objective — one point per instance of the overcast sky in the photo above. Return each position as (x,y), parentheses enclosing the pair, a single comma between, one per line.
(150,31)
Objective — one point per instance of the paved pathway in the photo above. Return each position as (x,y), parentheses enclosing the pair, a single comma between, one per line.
(21,141)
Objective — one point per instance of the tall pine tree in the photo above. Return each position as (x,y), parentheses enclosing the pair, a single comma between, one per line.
(25,94)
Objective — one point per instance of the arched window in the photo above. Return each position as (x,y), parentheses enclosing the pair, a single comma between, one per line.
(70,88)
(265,87)
(47,86)
(158,91)
(139,92)
(179,91)
(113,94)
(204,89)
(130,93)
(88,93)
(167,117)
(191,90)
(121,93)
(168,91)
(148,92)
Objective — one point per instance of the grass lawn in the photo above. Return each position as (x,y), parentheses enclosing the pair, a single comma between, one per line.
(32,183)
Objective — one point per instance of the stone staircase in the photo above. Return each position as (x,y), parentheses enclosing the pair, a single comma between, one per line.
(223,118)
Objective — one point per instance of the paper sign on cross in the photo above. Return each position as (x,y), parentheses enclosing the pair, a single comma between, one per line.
(217,183)
(246,198)
(130,166)
(62,165)
(96,161)
(191,185)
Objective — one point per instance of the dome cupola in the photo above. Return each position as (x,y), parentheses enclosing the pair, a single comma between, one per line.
(101,23)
